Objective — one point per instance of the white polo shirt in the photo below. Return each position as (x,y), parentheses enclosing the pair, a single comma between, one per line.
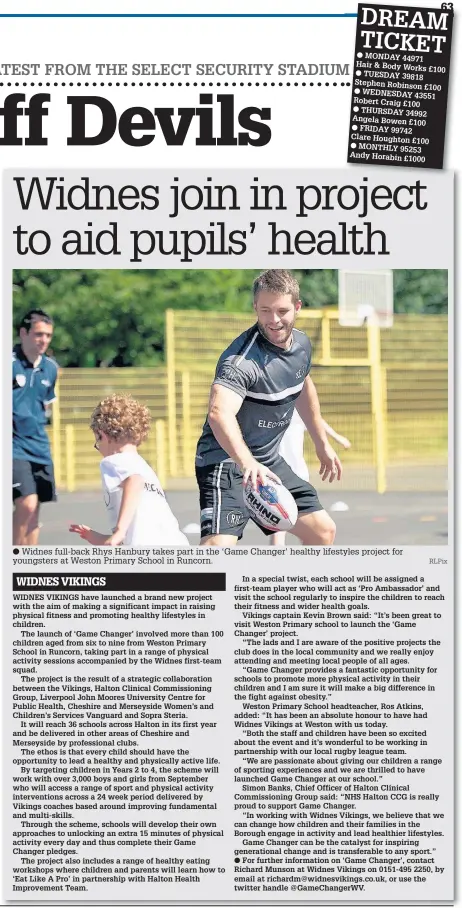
(153,523)
(291,447)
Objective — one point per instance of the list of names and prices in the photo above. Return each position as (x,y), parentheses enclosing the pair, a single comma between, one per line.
(400,85)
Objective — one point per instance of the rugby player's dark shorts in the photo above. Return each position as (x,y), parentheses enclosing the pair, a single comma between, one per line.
(221,500)
(30,478)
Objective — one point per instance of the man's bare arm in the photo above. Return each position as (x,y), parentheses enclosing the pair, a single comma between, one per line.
(224,405)
(341,439)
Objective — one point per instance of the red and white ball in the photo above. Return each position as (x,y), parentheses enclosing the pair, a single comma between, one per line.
(271,506)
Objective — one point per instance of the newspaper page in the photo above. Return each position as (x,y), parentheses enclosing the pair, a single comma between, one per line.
(228,266)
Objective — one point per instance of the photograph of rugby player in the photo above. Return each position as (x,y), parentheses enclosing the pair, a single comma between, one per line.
(260,378)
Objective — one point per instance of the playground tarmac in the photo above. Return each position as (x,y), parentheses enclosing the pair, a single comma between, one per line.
(395,518)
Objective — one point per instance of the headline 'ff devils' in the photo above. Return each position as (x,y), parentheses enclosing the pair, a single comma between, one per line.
(213,122)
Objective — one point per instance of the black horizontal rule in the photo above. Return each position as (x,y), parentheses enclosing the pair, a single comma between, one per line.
(114,583)
(400,85)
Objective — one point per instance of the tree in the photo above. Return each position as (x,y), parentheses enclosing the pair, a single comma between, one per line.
(116,318)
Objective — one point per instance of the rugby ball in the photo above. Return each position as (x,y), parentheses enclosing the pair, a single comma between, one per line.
(271,506)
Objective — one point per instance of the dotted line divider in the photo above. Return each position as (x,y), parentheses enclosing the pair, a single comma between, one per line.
(173,84)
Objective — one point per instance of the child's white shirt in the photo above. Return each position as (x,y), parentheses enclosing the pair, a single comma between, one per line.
(291,447)
(153,522)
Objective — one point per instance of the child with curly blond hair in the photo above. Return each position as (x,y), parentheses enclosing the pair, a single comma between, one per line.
(137,508)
